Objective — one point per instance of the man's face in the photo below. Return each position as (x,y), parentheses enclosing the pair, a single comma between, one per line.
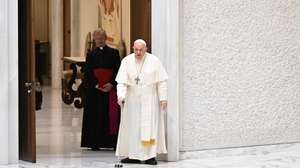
(99,40)
(139,50)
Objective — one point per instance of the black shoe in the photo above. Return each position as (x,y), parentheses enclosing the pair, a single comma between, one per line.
(127,160)
(95,149)
(151,161)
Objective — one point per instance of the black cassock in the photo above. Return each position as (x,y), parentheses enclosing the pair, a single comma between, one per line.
(95,124)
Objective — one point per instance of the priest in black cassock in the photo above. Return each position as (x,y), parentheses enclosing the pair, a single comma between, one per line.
(101,111)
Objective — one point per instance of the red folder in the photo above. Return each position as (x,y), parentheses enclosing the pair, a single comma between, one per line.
(103,75)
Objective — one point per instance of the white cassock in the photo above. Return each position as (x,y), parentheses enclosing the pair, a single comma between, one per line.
(142,131)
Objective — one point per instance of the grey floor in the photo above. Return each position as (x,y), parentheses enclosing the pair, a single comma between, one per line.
(58,146)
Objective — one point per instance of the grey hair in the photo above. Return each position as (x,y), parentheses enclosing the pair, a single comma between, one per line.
(99,31)
(140,41)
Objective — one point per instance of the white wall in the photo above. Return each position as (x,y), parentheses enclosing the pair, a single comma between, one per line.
(241,66)
(4,82)
(9,81)
(165,45)
(56,39)
(13,83)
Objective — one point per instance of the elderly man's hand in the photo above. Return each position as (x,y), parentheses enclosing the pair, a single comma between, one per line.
(121,101)
(163,104)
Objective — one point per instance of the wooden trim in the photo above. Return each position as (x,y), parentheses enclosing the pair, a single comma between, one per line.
(67,28)
(140,22)
(27,133)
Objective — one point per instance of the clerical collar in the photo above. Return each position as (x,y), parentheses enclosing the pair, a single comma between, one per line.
(101,48)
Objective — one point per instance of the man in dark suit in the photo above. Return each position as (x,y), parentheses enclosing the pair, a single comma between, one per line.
(101,112)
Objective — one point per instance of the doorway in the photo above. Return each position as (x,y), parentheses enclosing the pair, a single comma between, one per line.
(140,21)
(27,81)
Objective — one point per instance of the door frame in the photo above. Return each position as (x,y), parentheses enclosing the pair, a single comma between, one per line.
(166,25)
(167,49)
(140,22)
(67,28)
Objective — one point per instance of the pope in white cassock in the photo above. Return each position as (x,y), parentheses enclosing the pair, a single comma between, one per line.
(142,92)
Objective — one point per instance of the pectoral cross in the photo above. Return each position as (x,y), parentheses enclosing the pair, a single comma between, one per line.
(137,79)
